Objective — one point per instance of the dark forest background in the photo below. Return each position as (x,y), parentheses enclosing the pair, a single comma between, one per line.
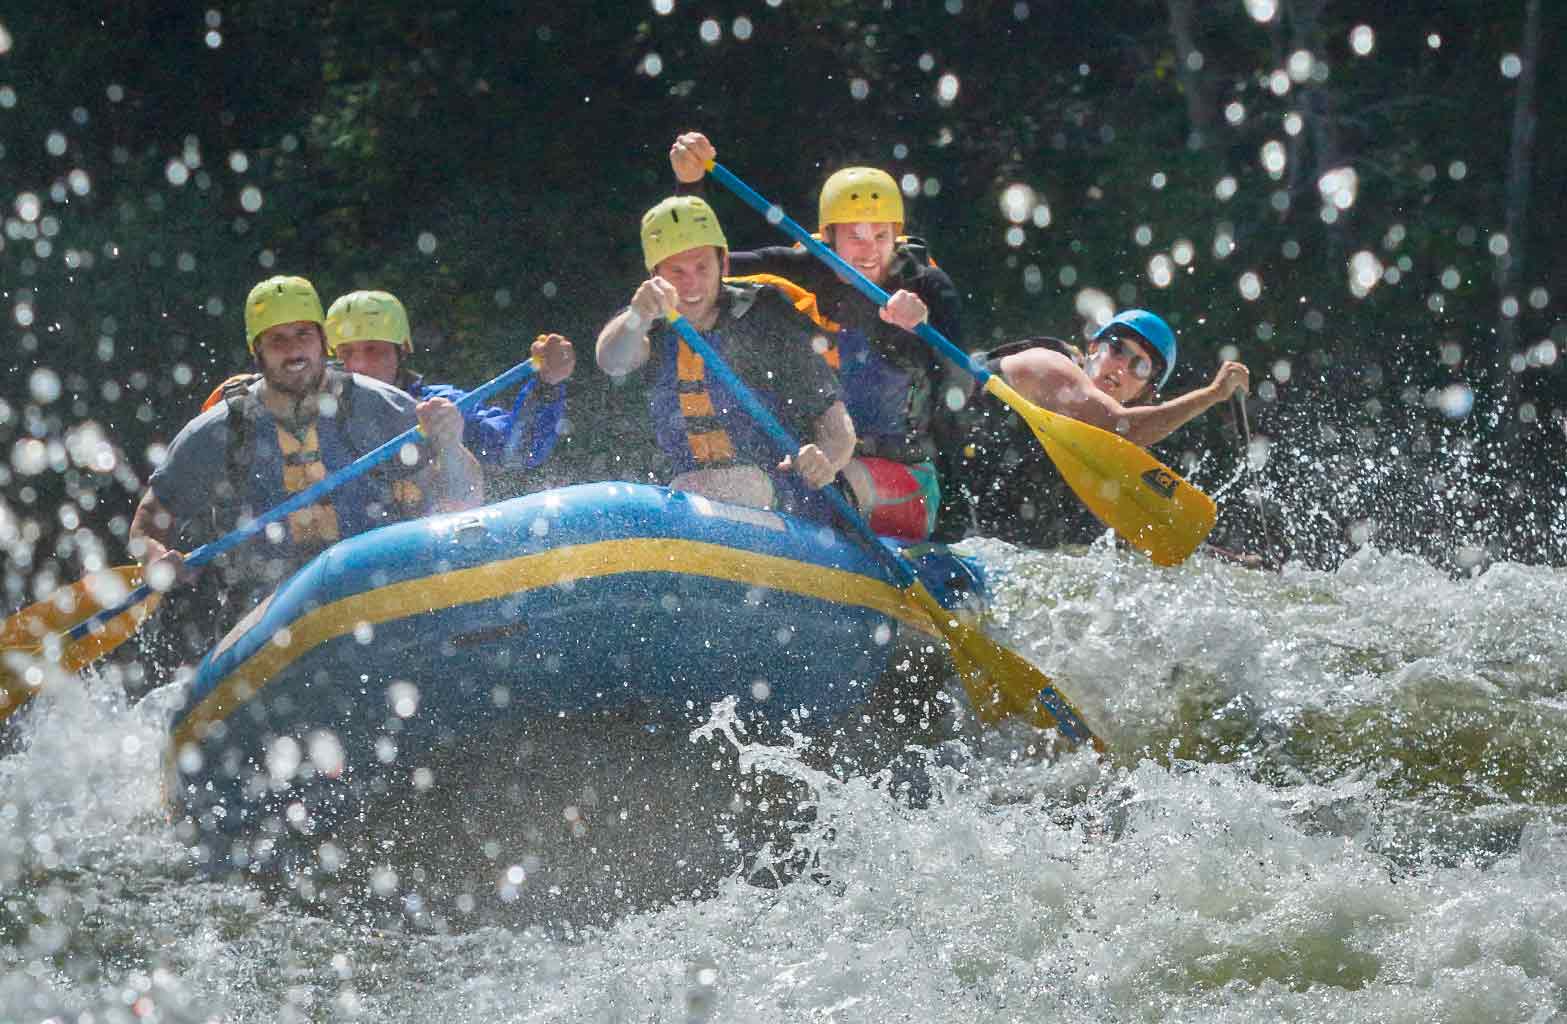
(1233,165)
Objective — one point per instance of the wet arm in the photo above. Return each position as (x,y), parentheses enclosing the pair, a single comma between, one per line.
(1053,381)
(152,529)
(622,345)
(834,435)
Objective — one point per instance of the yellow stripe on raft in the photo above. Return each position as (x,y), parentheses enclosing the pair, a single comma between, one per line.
(532,572)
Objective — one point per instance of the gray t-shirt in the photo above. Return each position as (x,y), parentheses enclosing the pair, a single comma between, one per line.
(192,482)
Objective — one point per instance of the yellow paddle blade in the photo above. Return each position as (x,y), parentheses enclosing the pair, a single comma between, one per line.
(1000,683)
(39,631)
(1133,493)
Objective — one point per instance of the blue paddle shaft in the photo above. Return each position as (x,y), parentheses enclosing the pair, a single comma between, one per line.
(845,270)
(359,467)
(786,443)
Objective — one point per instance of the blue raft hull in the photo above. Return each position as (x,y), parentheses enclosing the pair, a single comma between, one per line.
(422,642)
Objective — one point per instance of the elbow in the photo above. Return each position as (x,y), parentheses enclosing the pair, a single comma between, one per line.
(1143,437)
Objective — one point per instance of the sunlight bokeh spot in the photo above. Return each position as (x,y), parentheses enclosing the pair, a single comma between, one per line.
(1017,202)
(1262,11)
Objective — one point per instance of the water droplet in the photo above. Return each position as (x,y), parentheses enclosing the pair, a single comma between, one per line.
(1161,271)
(283,758)
(1455,401)
(326,753)
(1300,65)
(1017,202)
(44,385)
(1262,11)
(403,698)
(1273,157)
(1365,272)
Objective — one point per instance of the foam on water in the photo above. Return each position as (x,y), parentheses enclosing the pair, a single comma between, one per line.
(1330,797)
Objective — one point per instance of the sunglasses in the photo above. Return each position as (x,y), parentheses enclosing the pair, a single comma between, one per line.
(1140,365)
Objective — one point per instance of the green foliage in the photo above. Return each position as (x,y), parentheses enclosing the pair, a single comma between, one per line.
(525,140)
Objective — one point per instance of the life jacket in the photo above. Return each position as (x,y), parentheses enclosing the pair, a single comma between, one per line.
(411,382)
(263,468)
(698,424)
(691,428)
(805,302)
(881,397)
(709,442)
(238,380)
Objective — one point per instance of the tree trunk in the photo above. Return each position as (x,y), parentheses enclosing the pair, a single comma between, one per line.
(1520,163)
(1316,110)
(1189,61)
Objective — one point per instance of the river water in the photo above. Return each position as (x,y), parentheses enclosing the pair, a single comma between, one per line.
(1329,797)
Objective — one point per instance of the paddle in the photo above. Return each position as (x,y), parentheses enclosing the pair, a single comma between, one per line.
(36,631)
(93,637)
(999,682)
(1139,497)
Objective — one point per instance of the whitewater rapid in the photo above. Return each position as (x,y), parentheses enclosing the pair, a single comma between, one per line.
(1330,797)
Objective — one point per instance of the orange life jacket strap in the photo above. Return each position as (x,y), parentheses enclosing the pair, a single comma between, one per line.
(709,441)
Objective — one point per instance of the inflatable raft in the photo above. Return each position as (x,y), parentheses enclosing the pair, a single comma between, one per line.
(443,710)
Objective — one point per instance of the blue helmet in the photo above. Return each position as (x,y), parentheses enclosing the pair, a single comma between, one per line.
(1152,329)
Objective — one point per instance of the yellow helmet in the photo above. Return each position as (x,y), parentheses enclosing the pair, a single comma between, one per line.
(279,300)
(677,224)
(367,316)
(857,195)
